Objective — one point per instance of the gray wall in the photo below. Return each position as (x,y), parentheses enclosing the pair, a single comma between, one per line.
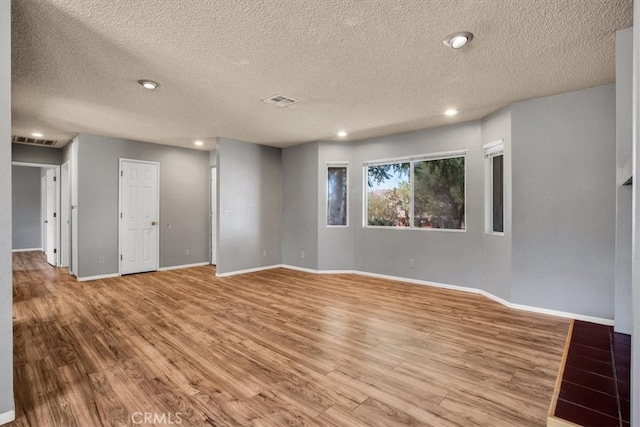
(184,202)
(6,291)
(450,257)
(557,251)
(26,207)
(635,342)
(497,249)
(624,82)
(35,154)
(564,174)
(249,205)
(300,205)
(336,244)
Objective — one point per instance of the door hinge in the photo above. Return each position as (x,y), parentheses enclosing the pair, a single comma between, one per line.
(55,215)
(121,173)
(55,251)
(55,179)
(120,214)
(120,257)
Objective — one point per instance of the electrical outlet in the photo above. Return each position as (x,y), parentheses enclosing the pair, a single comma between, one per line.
(412,263)
(188,252)
(302,254)
(101,260)
(264,253)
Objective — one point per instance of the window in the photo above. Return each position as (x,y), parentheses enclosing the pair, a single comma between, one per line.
(388,195)
(422,192)
(337,201)
(494,187)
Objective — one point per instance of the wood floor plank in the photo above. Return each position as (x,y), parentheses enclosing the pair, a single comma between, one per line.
(271,348)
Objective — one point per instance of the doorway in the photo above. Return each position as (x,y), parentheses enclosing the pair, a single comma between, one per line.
(139,216)
(49,208)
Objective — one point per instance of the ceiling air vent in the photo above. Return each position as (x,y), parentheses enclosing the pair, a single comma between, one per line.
(34,141)
(280,101)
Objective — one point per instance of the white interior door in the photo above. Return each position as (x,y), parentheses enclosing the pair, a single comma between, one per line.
(50,221)
(139,216)
(214,216)
(65,216)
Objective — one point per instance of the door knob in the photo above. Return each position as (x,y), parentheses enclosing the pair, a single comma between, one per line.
(153,223)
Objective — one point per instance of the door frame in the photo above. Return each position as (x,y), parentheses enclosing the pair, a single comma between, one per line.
(65,214)
(120,176)
(213,217)
(57,199)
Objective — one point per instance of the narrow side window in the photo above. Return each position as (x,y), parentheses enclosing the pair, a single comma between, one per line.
(337,197)
(494,177)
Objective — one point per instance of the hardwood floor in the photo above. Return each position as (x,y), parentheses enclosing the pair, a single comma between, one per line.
(273,348)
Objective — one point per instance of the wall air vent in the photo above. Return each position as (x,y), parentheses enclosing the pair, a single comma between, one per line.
(280,101)
(33,141)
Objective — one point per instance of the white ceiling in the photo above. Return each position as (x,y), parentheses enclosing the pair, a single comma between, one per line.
(371,68)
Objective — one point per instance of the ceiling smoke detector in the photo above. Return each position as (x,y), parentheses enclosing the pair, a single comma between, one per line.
(280,101)
(458,40)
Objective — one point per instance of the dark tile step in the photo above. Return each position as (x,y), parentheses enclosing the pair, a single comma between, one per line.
(594,400)
(583,416)
(590,365)
(590,380)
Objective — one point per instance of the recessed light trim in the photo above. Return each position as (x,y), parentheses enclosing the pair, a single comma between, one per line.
(451,112)
(342,134)
(148,84)
(199,143)
(458,40)
(37,134)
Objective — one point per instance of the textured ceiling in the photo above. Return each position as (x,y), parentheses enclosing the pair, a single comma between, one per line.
(369,67)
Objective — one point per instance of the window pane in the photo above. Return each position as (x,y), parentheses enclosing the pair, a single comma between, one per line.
(439,193)
(337,195)
(498,196)
(388,195)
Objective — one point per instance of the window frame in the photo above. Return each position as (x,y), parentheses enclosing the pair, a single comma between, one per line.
(492,150)
(411,160)
(335,164)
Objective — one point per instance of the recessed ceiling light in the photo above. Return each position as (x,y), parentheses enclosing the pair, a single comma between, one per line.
(149,84)
(458,40)
(199,143)
(342,134)
(37,134)
(451,112)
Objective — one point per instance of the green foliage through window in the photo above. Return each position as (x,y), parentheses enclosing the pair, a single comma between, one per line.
(438,197)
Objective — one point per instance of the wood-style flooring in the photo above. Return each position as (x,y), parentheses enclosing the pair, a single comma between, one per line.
(273,348)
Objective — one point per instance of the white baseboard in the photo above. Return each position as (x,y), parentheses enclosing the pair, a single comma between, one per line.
(27,250)
(178,267)
(103,276)
(7,417)
(538,310)
(592,319)
(249,270)
(311,271)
